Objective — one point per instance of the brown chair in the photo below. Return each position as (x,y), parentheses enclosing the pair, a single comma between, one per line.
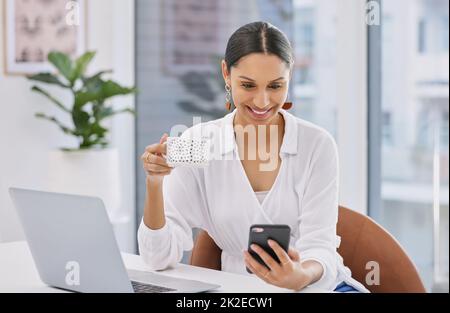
(362,241)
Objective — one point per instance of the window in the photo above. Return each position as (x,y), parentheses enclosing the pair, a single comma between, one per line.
(414,133)
(314,88)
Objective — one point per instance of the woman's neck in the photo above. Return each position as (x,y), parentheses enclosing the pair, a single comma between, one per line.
(274,131)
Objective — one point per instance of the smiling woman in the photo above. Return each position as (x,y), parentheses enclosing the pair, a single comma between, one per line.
(261,58)
(301,186)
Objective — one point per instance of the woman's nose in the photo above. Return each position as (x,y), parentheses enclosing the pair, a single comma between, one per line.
(261,100)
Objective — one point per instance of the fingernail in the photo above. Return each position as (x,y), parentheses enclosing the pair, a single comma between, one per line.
(270,242)
(253,246)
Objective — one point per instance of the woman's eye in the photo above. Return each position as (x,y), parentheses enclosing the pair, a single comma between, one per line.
(275,87)
(247,86)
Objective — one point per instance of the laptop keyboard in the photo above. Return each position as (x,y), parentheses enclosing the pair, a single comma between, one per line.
(149,288)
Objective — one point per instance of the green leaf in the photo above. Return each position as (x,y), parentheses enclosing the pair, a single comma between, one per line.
(47,78)
(94,82)
(127,110)
(108,111)
(104,112)
(106,90)
(63,63)
(81,121)
(81,64)
(110,89)
(65,129)
(50,97)
(81,98)
(98,130)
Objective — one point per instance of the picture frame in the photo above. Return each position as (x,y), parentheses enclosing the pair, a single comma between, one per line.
(34,28)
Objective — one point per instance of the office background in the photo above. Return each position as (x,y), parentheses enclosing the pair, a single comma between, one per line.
(381,90)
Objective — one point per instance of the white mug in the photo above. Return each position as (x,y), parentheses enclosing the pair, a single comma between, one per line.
(187,152)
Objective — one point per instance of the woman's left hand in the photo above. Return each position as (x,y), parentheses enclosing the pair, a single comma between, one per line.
(290,273)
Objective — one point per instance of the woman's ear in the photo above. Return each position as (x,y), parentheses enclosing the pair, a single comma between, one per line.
(225,73)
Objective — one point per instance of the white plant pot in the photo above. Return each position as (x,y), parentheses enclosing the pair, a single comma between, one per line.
(93,172)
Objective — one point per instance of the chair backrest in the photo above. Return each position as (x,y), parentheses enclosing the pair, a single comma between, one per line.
(366,246)
(363,242)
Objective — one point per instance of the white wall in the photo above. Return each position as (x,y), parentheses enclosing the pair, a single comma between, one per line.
(25,140)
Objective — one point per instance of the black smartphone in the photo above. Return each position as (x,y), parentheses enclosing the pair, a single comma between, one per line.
(259,234)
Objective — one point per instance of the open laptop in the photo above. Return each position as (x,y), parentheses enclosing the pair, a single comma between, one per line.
(74,247)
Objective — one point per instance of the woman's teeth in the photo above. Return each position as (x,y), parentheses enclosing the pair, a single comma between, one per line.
(259,112)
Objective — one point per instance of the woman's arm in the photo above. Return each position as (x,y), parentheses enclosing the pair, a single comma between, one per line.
(156,167)
(319,210)
(173,205)
(154,217)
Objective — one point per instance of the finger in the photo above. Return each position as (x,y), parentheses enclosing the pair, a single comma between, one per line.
(156,168)
(161,142)
(156,148)
(294,255)
(281,254)
(163,138)
(155,159)
(144,156)
(264,276)
(270,262)
(258,267)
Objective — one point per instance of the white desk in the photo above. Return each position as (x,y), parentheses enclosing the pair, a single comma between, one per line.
(18,273)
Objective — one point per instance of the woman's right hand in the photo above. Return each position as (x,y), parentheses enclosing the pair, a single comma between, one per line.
(154,163)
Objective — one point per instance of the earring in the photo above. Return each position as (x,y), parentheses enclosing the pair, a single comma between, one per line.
(287,105)
(228,97)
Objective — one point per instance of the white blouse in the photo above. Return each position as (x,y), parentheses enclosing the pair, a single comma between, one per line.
(220,199)
(260,195)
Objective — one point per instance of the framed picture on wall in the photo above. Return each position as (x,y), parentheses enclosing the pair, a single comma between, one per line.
(33,28)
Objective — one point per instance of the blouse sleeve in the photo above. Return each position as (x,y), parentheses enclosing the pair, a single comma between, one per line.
(319,211)
(163,248)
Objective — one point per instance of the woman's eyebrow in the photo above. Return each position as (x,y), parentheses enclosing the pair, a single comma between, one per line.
(279,78)
(248,78)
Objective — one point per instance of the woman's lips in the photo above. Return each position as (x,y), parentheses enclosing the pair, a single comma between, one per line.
(259,114)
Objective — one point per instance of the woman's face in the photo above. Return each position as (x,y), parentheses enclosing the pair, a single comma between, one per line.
(259,87)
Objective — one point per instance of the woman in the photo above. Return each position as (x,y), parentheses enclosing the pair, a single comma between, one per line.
(296,183)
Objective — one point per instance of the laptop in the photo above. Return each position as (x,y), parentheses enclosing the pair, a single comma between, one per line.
(74,248)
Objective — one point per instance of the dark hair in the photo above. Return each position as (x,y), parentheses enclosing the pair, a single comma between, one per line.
(258,37)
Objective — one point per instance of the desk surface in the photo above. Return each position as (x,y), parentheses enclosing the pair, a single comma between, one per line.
(18,273)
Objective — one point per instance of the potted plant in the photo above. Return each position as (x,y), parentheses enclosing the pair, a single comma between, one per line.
(91,168)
